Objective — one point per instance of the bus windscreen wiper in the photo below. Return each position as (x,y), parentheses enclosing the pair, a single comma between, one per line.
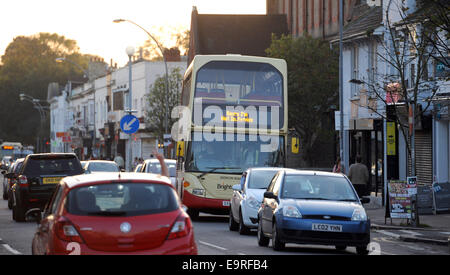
(214,169)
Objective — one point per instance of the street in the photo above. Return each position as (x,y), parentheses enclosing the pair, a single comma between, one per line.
(214,238)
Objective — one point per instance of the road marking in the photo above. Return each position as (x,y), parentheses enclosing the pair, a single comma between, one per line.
(9,248)
(212,245)
(387,233)
(411,232)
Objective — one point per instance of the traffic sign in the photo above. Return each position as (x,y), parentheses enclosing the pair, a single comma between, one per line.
(129,124)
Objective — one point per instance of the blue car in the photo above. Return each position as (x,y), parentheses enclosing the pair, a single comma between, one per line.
(309,207)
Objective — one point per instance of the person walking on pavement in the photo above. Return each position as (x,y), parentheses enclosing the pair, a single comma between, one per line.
(119,160)
(359,176)
(337,166)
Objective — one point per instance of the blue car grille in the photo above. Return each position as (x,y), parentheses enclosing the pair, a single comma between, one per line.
(329,218)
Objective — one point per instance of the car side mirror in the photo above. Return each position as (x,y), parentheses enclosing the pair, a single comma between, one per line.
(237,187)
(270,195)
(364,200)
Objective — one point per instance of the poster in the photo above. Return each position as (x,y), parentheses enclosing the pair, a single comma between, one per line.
(400,199)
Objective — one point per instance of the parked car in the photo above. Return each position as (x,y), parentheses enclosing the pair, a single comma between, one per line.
(247,198)
(138,168)
(10,178)
(37,180)
(311,207)
(153,166)
(147,219)
(94,166)
(6,162)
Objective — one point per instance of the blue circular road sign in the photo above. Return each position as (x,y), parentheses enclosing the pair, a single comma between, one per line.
(129,124)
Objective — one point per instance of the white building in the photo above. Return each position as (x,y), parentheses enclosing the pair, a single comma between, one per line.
(367,46)
(98,106)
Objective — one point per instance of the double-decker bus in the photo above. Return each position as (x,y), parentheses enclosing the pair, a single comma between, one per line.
(237,109)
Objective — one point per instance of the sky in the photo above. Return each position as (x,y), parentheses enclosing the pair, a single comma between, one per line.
(89,22)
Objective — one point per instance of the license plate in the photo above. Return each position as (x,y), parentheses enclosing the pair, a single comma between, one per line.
(51,180)
(326,227)
(226,203)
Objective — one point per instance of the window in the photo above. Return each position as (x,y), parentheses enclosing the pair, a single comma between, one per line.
(122,199)
(118,101)
(372,67)
(260,179)
(355,71)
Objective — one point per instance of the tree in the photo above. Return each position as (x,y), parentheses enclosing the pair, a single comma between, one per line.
(28,66)
(156,100)
(312,88)
(408,48)
(178,37)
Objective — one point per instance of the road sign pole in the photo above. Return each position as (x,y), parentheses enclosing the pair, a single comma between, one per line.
(130,104)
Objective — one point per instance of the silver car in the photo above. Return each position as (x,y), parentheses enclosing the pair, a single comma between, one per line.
(247,198)
(153,166)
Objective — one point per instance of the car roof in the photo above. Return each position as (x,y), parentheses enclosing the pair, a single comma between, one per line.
(313,173)
(269,169)
(99,161)
(166,160)
(87,179)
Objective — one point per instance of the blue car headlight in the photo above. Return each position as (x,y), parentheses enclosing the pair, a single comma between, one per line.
(359,215)
(291,212)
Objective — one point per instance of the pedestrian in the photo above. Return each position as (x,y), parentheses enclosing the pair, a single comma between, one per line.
(359,176)
(119,160)
(337,166)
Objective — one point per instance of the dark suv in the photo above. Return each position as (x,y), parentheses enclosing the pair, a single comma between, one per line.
(37,179)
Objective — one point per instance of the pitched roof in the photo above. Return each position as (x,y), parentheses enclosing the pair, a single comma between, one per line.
(365,23)
(234,34)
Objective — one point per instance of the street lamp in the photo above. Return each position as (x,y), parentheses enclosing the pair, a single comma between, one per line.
(166,115)
(41,109)
(130,52)
(62,59)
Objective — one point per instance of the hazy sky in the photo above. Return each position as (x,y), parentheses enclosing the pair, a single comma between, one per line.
(89,22)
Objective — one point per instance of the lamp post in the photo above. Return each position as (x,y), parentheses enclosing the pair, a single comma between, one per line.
(166,115)
(41,109)
(130,53)
(341,89)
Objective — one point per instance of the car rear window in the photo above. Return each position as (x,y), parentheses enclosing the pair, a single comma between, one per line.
(122,199)
(52,166)
(103,167)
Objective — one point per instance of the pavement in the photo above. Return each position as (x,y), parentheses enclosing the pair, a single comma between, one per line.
(433,229)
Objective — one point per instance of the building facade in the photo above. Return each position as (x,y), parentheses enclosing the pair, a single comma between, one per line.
(86,118)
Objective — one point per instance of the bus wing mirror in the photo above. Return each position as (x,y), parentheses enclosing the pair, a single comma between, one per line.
(295,145)
(180,148)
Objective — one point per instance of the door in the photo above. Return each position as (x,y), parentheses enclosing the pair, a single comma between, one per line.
(43,234)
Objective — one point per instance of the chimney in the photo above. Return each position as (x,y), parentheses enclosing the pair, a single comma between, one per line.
(172,55)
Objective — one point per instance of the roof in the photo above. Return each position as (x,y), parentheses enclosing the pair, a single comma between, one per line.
(362,24)
(312,172)
(236,34)
(268,169)
(365,23)
(83,179)
(156,160)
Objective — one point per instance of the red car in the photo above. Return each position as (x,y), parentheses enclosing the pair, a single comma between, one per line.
(114,213)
